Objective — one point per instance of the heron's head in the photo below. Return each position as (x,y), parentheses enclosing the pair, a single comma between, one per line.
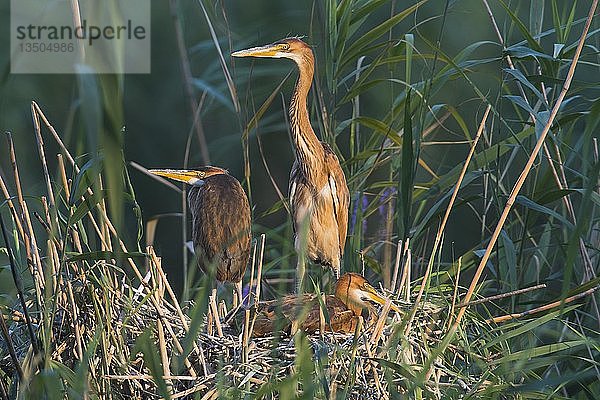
(292,48)
(189,176)
(357,293)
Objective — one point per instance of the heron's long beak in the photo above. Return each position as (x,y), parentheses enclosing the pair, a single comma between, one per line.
(377,298)
(269,51)
(182,175)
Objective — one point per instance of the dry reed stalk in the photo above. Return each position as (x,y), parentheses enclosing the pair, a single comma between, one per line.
(545,307)
(252,267)
(455,292)
(212,394)
(259,270)
(11,207)
(215,315)
(164,358)
(190,391)
(104,220)
(182,318)
(31,247)
(148,376)
(372,366)
(75,317)
(258,281)
(42,153)
(376,334)
(402,283)
(160,179)
(245,337)
(199,351)
(210,319)
(222,309)
(396,266)
(503,295)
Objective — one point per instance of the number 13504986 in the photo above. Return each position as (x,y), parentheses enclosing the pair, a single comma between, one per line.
(44,47)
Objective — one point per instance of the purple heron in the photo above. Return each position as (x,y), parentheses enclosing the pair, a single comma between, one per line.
(220,221)
(318,192)
(353,295)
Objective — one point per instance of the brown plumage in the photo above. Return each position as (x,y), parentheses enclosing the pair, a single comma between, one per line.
(353,296)
(318,191)
(220,220)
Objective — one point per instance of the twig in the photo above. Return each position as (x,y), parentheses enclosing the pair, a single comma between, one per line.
(29,236)
(502,295)
(258,281)
(396,265)
(455,294)
(259,269)
(545,307)
(11,206)
(160,179)
(181,316)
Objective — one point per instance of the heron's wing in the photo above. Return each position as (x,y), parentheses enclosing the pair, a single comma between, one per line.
(279,314)
(339,191)
(300,196)
(341,319)
(221,226)
(293,185)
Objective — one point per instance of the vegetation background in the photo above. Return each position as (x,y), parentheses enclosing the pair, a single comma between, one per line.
(400,90)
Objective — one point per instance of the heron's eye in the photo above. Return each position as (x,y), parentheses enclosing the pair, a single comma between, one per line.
(201,174)
(284,46)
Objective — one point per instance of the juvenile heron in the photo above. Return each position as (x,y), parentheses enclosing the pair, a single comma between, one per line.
(220,221)
(318,192)
(353,296)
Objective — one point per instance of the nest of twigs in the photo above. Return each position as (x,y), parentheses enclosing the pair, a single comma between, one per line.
(133,326)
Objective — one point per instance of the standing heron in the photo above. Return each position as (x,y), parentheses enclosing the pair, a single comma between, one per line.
(353,296)
(220,222)
(318,192)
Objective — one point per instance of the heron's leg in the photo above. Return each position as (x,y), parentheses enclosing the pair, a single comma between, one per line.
(300,270)
(215,311)
(335,266)
(237,295)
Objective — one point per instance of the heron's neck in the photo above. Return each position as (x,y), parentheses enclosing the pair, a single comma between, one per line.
(342,292)
(309,150)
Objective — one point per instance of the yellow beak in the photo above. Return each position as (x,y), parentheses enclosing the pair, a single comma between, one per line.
(181,175)
(376,297)
(269,51)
